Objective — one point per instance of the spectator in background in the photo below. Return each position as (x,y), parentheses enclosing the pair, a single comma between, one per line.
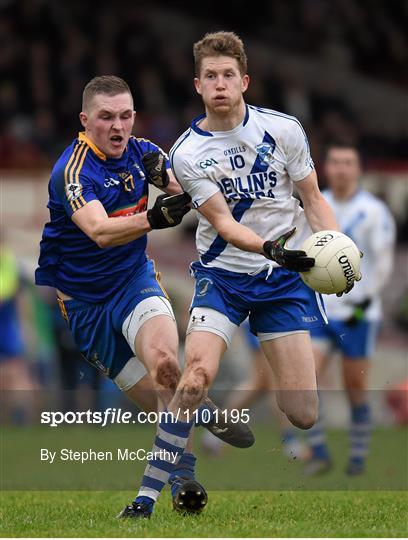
(16,383)
(49,49)
(353,320)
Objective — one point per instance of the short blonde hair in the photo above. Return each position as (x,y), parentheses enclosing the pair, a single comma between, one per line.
(109,85)
(220,44)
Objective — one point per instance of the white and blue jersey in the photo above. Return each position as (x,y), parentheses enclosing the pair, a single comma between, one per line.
(366,220)
(254,166)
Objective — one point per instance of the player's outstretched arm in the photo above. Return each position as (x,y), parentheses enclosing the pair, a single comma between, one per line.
(92,219)
(216,210)
(318,211)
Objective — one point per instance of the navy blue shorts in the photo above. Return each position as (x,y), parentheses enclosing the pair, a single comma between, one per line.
(280,302)
(97,328)
(356,341)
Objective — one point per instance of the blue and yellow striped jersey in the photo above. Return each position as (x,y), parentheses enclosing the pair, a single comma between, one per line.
(69,259)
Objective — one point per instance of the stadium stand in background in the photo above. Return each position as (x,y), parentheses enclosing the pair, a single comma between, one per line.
(339,66)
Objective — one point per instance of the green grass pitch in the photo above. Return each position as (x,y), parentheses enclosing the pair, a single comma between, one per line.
(252,493)
(229,513)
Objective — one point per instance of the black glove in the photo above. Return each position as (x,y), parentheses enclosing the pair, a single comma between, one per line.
(358,312)
(155,165)
(294,260)
(168,210)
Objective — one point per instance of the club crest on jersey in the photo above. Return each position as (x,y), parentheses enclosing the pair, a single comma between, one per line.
(265,152)
(309,162)
(203,285)
(73,191)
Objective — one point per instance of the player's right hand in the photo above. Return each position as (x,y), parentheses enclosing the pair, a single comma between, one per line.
(294,260)
(168,210)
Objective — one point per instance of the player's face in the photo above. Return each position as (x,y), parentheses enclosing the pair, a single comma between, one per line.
(221,84)
(342,169)
(108,122)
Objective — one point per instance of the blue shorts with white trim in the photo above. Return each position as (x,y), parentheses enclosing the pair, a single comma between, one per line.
(279,302)
(97,328)
(357,341)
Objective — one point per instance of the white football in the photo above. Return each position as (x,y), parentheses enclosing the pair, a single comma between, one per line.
(337,262)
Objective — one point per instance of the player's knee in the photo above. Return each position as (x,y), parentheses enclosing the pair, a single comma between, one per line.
(355,382)
(304,414)
(302,420)
(167,371)
(262,384)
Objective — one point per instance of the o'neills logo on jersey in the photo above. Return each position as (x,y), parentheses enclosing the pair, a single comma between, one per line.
(347,269)
(235,150)
(324,239)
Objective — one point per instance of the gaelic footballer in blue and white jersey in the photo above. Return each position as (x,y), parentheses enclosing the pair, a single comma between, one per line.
(254,166)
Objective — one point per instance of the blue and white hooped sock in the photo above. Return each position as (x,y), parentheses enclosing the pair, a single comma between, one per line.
(360,433)
(316,437)
(169,445)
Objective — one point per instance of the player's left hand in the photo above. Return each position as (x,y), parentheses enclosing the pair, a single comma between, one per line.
(291,259)
(155,165)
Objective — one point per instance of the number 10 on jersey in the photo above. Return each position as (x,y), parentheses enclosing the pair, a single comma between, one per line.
(237,162)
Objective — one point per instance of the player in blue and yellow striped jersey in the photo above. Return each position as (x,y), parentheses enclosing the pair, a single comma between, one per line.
(93,253)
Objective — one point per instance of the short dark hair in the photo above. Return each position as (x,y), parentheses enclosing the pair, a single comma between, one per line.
(343,144)
(220,44)
(110,85)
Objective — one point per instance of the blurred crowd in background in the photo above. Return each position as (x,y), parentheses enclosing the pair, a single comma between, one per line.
(339,66)
(49,50)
